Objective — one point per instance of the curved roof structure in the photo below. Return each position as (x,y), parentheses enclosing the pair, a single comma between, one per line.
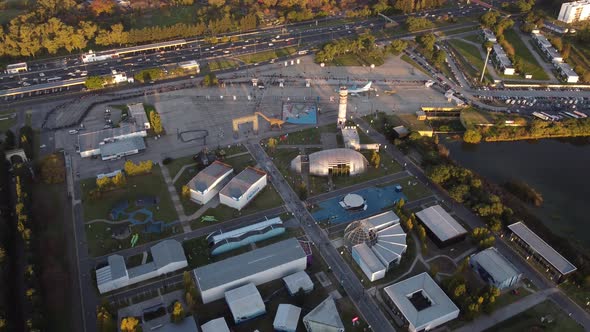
(321,162)
(382,233)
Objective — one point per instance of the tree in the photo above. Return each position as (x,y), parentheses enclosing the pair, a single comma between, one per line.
(9,140)
(129,324)
(472,136)
(52,169)
(156,122)
(94,82)
(102,6)
(177,313)
(375,159)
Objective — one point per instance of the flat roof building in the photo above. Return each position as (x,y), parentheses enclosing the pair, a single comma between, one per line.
(534,247)
(287,318)
(208,182)
(223,242)
(324,318)
(574,11)
(215,325)
(90,144)
(245,303)
(377,243)
(495,269)
(137,112)
(297,281)
(168,256)
(421,302)
(442,227)
(502,61)
(240,190)
(257,266)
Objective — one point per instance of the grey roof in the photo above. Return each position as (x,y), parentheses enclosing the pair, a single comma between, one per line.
(495,264)
(287,317)
(167,252)
(440,223)
(92,140)
(114,270)
(244,301)
(542,248)
(122,146)
(297,281)
(215,325)
(207,177)
(42,87)
(369,258)
(247,264)
(441,304)
(326,314)
(242,182)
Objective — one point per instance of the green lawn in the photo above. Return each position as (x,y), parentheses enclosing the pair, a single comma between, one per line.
(530,320)
(529,63)
(267,55)
(268,198)
(152,185)
(414,64)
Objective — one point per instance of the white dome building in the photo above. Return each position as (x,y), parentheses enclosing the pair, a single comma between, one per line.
(324,162)
(377,243)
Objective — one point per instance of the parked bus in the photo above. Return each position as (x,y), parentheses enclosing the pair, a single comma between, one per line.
(17,68)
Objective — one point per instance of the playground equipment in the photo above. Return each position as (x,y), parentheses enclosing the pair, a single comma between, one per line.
(254,119)
(208,219)
(134,240)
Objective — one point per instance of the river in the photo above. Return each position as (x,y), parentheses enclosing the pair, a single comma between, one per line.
(558,169)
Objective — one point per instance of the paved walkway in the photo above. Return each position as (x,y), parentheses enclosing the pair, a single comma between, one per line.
(502,314)
(186,227)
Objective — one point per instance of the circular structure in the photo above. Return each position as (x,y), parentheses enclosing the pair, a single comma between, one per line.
(353,202)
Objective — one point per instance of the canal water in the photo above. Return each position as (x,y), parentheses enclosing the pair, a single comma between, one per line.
(558,169)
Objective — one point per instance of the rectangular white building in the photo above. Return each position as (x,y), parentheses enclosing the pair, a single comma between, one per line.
(207,183)
(245,303)
(257,266)
(574,11)
(243,188)
(168,256)
(495,269)
(421,302)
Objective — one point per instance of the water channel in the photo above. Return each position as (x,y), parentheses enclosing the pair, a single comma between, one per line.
(558,169)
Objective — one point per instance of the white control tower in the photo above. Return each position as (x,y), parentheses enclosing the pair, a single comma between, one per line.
(342,106)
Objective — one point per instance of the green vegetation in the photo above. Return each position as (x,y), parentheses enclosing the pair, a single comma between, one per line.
(537,129)
(523,57)
(268,55)
(141,186)
(531,320)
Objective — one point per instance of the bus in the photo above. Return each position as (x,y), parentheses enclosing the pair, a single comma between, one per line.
(17,68)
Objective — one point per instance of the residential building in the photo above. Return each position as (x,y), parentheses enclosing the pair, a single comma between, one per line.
(495,269)
(245,303)
(168,256)
(441,226)
(420,302)
(208,182)
(501,60)
(257,266)
(324,318)
(287,318)
(574,11)
(220,242)
(298,281)
(240,190)
(535,249)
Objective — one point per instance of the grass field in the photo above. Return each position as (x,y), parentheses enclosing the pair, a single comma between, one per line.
(529,63)
(267,55)
(530,320)
(138,186)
